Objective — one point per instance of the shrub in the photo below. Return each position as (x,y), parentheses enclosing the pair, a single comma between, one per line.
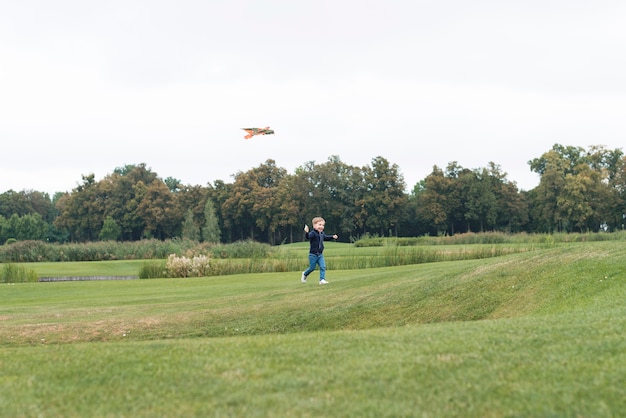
(198,266)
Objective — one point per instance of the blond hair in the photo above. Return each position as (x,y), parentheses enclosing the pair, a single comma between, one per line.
(317,219)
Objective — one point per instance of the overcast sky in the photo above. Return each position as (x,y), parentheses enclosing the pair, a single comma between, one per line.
(88,86)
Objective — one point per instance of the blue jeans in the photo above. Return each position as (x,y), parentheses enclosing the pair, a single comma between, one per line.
(316,259)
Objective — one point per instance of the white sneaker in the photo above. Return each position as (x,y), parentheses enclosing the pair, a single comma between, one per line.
(323,281)
(303,278)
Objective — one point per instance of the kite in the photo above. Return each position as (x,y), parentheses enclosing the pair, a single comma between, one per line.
(258,131)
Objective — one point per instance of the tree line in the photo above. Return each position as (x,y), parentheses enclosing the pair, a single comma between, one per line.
(580,190)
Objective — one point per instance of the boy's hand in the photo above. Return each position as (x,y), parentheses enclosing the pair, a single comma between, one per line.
(335,236)
(306,229)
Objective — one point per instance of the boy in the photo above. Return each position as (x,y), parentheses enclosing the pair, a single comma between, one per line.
(316,256)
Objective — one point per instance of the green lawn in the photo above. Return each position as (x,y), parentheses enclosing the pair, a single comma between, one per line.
(532,334)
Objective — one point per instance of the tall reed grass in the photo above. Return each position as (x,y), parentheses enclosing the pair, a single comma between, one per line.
(492,238)
(13,273)
(38,251)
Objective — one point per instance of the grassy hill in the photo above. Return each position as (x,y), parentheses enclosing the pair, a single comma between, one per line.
(536,333)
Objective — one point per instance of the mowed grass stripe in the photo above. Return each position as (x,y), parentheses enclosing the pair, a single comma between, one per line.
(559,365)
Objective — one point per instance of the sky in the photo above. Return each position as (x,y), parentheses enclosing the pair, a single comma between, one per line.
(89,86)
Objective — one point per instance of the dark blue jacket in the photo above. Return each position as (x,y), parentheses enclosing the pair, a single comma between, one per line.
(316,240)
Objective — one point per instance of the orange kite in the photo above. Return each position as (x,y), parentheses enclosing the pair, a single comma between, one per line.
(257,131)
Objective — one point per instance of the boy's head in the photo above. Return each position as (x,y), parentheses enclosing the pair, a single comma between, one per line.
(318,223)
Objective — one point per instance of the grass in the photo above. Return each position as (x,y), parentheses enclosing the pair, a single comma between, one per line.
(13,273)
(86,268)
(535,333)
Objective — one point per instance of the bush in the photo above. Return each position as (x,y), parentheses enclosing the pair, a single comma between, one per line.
(198,266)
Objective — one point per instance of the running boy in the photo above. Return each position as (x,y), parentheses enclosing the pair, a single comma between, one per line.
(316,256)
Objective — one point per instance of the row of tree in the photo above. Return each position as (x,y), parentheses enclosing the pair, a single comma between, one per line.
(579,190)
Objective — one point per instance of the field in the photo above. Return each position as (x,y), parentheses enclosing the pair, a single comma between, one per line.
(534,332)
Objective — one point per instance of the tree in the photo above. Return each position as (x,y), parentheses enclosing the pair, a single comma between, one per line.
(190,230)
(22,228)
(570,157)
(211,231)
(12,202)
(219,193)
(575,202)
(81,212)
(412,224)
(578,190)
(383,196)
(512,208)
(609,204)
(266,207)
(331,190)
(237,207)
(253,203)
(158,211)
(173,184)
(432,207)
(616,213)
(192,198)
(480,200)
(290,195)
(110,231)
(10,228)
(127,188)
(553,168)
(511,205)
